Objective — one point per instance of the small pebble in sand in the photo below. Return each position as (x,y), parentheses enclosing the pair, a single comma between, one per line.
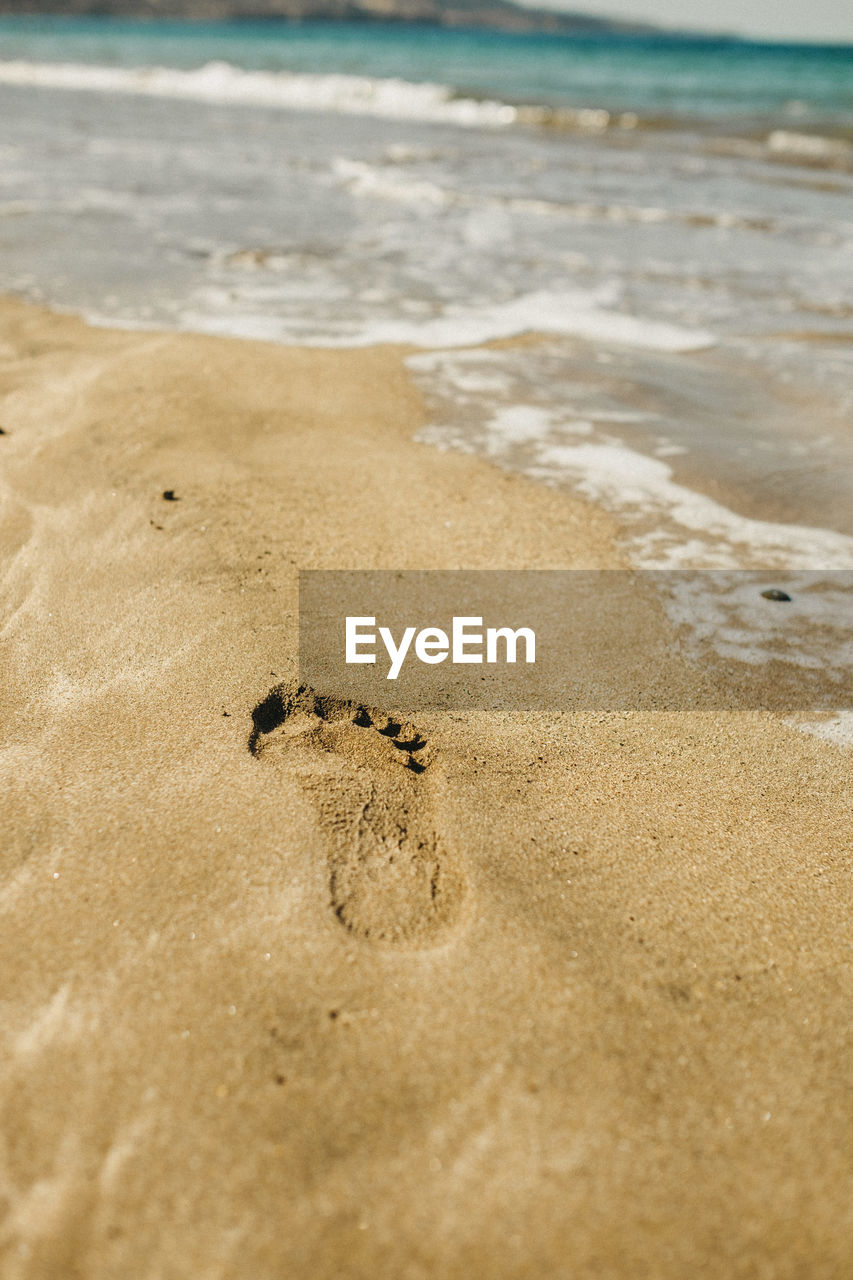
(170,495)
(773,593)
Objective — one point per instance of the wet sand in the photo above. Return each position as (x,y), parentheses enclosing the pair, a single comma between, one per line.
(592,1018)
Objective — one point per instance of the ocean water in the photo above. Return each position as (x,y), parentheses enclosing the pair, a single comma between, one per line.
(653,76)
(672,218)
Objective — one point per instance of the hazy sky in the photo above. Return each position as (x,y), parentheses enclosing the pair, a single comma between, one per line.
(773,19)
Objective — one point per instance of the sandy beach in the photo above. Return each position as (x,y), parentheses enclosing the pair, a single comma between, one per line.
(594,1021)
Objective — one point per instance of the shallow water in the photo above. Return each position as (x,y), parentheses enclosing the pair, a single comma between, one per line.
(693,281)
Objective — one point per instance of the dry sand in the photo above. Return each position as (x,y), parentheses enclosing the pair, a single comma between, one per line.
(596,1026)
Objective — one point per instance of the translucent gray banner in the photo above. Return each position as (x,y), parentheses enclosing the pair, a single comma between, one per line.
(579,639)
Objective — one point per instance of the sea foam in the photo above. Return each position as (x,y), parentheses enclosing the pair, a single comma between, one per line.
(220,82)
(575,314)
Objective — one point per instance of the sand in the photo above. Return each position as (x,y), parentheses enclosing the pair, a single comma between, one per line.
(593,1022)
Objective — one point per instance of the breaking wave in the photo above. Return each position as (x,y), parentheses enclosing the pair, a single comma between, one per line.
(220,82)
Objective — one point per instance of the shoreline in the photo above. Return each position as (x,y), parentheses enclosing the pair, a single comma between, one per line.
(594,1009)
(676,485)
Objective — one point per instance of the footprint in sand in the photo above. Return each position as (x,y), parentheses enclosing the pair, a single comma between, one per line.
(391,880)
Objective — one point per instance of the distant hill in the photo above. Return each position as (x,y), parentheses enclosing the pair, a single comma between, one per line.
(500,14)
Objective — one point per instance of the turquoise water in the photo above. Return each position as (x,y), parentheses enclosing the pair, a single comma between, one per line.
(711,79)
